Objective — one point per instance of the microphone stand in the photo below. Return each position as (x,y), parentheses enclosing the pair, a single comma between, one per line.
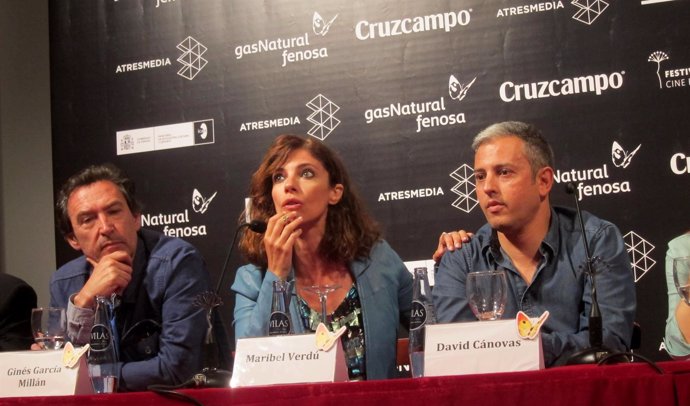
(211,376)
(596,350)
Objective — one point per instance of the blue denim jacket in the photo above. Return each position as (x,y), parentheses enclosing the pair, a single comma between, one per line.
(385,292)
(559,285)
(676,345)
(167,275)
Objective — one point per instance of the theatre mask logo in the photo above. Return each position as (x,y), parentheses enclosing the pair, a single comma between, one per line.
(639,251)
(456,90)
(464,188)
(320,25)
(620,157)
(322,117)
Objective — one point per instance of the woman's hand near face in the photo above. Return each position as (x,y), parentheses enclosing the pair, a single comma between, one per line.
(281,233)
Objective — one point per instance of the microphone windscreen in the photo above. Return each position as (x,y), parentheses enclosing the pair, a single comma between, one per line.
(257,226)
(570,188)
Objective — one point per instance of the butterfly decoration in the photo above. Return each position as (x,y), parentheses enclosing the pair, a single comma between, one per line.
(621,157)
(457,90)
(527,328)
(325,339)
(199,204)
(70,355)
(320,25)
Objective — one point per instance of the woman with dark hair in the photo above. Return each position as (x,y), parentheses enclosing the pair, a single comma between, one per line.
(319,233)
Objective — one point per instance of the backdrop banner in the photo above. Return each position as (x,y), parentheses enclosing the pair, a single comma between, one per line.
(187,95)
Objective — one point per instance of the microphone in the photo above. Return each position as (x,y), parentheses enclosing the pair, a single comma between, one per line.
(596,350)
(257,226)
(211,376)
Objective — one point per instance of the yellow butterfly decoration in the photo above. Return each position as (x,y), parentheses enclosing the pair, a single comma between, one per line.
(70,355)
(325,339)
(528,329)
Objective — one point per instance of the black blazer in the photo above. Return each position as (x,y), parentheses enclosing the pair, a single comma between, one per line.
(17,299)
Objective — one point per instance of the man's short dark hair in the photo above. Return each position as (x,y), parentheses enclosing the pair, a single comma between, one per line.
(85,177)
(537,149)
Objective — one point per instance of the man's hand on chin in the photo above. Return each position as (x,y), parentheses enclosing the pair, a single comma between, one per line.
(110,275)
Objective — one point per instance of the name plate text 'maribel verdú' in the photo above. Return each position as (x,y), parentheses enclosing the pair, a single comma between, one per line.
(286,359)
(44,373)
(484,346)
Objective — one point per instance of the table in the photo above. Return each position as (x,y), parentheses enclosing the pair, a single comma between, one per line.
(609,385)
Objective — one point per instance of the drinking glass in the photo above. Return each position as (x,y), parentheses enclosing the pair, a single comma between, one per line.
(487,292)
(681,277)
(49,326)
(322,292)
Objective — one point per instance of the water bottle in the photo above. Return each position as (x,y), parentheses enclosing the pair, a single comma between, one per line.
(279,323)
(102,352)
(422,313)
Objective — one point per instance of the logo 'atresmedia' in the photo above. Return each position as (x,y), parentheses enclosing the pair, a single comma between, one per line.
(322,118)
(587,10)
(191,58)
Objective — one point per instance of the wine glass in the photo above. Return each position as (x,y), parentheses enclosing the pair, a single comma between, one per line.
(681,277)
(49,327)
(322,292)
(487,292)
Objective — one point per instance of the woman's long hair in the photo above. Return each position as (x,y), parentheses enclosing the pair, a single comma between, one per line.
(350,231)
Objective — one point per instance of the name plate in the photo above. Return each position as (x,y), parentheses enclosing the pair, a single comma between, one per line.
(41,373)
(286,359)
(479,347)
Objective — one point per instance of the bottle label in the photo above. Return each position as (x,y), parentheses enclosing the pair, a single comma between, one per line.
(100,337)
(417,315)
(278,324)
